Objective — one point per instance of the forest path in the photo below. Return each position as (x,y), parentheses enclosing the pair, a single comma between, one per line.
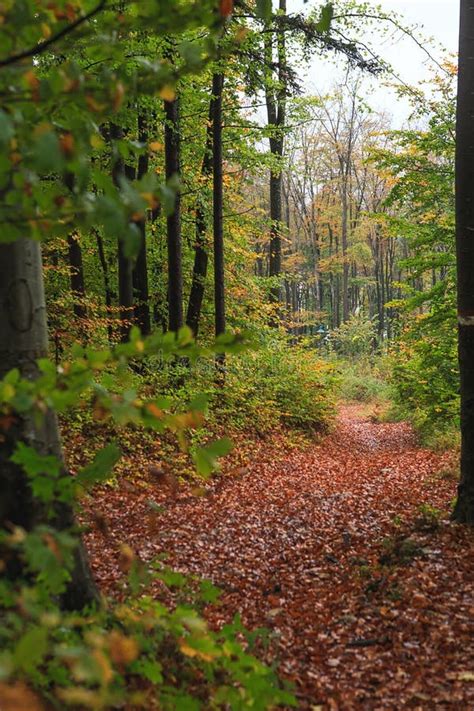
(370,606)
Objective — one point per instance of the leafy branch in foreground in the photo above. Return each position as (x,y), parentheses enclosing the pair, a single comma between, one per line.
(138,651)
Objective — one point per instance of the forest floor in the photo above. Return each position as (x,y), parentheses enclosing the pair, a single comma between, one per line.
(343,549)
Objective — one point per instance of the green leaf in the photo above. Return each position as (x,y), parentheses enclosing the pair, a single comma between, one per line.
(264,9)
(47,156)
(6,129)
(324,24)
(101,466)
(33,463)
(206,458)
(149,669)
(209,592)
(31,649)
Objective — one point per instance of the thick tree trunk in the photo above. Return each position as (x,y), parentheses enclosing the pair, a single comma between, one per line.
(464,509)
(140,268)
(173,222)
(76,272)
(201,256)
(23,339)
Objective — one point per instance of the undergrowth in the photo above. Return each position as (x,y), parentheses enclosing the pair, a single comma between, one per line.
(364,380)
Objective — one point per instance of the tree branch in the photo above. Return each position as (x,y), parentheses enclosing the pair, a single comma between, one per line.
(41,46)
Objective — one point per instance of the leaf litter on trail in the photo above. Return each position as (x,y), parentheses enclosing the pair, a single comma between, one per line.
(342,549)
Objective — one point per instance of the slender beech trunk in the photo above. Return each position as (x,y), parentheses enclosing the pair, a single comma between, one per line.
(140,268)
(173,222)
(464,509)
(201,256)
(76,272)
(107,290)
(344,245)
(24,339)
(276,113)
(125,283)
(218,202)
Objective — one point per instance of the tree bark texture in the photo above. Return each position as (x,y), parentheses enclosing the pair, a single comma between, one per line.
(24,339)
(125,283)
(218,201)
(201,256)
(464,509)
(76,271)
(140,268)
(173,222)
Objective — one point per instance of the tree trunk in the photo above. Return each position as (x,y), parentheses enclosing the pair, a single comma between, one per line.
(464,509)
(344,245)
(107,290)
(24,339)
(140,268)
(218,199)
(125,283)
(276,114)
(173,222)
(201,256)
(76,271)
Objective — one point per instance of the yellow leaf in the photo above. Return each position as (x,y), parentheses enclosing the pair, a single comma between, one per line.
(154,410)
(78,696)
(466,676)
(18,697)
(103,663)
(167,93)
(191,652)
(123,650)
(126,557)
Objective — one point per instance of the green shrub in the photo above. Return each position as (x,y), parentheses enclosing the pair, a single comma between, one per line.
(267,386)
(137,653)
(363,381)
(425,376)
(355,338)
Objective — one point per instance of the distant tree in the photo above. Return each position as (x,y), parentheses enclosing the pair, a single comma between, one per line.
(140,268)
(219,284)
(173,223)
(201,256)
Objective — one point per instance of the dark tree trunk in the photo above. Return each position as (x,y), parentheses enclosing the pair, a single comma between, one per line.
(201,256)
(140,268)
(464,509)
(344,245)
(276,219)
(76,271)
(107,290)
(218,202)
(173,222)
(125,283)
(24,339)
(276,114)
